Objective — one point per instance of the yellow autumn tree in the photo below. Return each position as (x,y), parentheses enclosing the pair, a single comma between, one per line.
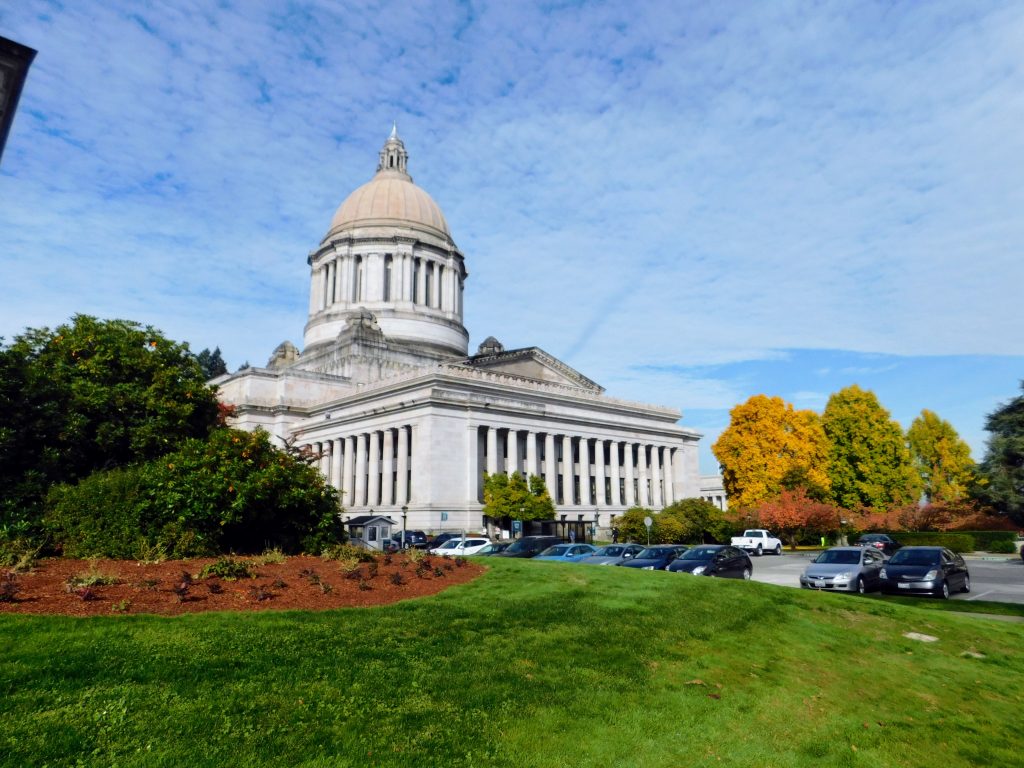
(766,444)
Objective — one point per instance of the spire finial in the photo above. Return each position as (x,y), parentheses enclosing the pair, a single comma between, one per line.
(394,130)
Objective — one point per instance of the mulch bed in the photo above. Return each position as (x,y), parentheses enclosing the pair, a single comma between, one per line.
(299,583)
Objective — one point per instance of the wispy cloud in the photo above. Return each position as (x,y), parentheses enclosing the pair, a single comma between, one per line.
(668,184)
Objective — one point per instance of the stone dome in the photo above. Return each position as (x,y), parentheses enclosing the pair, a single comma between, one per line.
(391,198)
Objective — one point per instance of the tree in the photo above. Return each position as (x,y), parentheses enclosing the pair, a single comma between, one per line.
(231,491)
(631,525)
(941,458)
(766,441)
(1000,483)
(212,363)
(88,395)
(869,463)
(513,497)
(794,515)
(695,521)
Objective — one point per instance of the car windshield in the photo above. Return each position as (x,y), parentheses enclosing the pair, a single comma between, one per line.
(916,557)
(874,537)
(451,544)
(700,553)
(839,557)
(612,551)
(557,551)
(652,553)
(523,545)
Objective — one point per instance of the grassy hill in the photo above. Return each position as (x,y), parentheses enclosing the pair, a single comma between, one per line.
(534,664)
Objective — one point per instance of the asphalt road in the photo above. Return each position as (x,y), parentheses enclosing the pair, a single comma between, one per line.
(1001,579)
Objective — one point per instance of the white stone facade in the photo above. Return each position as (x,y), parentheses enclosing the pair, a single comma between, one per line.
(401,417)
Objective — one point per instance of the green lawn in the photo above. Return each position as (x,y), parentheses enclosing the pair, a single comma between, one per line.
(534,664)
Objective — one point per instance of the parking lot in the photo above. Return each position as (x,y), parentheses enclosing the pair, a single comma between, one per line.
(1000,579)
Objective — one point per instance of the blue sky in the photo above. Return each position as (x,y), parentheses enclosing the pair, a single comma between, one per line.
(691,203)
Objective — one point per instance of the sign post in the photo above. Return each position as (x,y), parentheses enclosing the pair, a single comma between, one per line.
(648,522)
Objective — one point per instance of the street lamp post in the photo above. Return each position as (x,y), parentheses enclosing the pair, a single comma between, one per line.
(405,514)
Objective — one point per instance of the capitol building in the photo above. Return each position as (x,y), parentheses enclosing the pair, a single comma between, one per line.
(404,419)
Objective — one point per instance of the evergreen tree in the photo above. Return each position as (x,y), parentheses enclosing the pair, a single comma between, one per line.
(869,462)
(212,363)
(1001,474)
(941,458)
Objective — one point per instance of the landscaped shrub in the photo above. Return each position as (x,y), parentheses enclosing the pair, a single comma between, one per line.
(1001,547)
(958,542)
(228,568)
(989,541)
(232,491)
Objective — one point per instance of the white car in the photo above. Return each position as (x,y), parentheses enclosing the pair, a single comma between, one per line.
(459,547)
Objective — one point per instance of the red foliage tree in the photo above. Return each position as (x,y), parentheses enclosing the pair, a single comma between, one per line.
(793,515)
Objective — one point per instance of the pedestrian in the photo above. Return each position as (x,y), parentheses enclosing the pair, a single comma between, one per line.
(572,536)
(615,535)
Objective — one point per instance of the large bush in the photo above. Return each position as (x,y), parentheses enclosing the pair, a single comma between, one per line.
(89,395)
(231,492)
(958,542)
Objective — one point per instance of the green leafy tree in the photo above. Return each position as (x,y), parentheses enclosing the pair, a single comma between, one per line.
(869,461)
(513,497)
(212,363)
(1000,483)
(630,525)
(941,458)
(691,521)
(232,491)
(766,441)
(88,395)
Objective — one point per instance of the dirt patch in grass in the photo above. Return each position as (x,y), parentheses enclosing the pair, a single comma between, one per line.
(110,587)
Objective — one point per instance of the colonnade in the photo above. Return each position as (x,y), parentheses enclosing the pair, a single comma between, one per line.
(586,471)
(370,468)
(435,283)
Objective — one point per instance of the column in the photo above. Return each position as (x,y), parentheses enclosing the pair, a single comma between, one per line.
(667,475)
(511,452)
(406,277)
(350,278)
(601,500)
(641,475)
(550,466)
(568,498)
(531,454)
(585,497)
(388,470)
(656,497)
(402,489)
(492,451)
(435,297)
(360,499)
(421,282)
(373,469)
(336,449)
(329,284)
(627,460)
(339,275)
(323,461)
(613,472)
(348,497)
(323,287)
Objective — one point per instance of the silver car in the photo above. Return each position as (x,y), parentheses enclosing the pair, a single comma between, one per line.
(613,554)
(845,569)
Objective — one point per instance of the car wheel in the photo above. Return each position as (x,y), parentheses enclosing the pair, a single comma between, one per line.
(758,552)
(778,549)
(861,586)
(967,583)
(746,574)
(944,594)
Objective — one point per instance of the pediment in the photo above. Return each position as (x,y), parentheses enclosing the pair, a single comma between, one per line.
(532,363)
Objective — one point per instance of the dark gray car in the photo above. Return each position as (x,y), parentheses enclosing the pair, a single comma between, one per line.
(613,554)
(845,569)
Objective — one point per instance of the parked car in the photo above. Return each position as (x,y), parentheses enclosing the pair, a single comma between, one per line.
(880,541)
(722,560)
(459,547)
(567,553)
(613,554)
(530,546)
(845,569)
(929,570)
(441,538)
(494,548)
(758,541)
(417,539)
(655,558)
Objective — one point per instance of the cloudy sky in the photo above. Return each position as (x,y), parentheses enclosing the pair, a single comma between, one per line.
(690,202)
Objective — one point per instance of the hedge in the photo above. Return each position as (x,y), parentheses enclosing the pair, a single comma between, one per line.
(984,540)
(958,542)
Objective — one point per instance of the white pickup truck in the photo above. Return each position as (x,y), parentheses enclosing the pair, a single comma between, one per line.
(758,541)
